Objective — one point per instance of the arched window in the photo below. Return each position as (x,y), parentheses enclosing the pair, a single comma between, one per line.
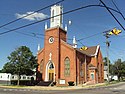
(67,67)
(81,68)
(41,66)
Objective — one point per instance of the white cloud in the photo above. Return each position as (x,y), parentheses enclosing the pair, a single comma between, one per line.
(35,16)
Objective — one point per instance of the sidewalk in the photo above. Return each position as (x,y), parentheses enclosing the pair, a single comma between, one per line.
(55,88)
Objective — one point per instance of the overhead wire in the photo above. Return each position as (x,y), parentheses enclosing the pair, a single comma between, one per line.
(46,19)
(90,36)
(55,16)
(50,18)
(26,34)
(112,15)
(36,35)
(114,53)
(31,13)
(79,40)
(118,9)
(43,9)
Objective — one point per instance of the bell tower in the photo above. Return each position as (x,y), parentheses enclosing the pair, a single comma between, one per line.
(52,44)
(56,16)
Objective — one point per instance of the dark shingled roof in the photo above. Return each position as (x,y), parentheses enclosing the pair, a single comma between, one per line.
(91,51)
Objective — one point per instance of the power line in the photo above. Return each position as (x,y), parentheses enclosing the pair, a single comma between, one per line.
(118,9)
(112,15)
(81,43)
(31,13)
(76,9)
(114,53)
(43,9)
(31,35)
(26,34)
(120,50)
(89,36)
(46,19)
(36,35)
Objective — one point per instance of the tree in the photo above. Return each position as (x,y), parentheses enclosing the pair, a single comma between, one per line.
(8,68)
(119,68)
(111,72)
(21,61)
(0,71)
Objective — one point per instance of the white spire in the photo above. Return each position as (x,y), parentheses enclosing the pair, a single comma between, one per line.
(46,26)
(38,47)
(74,42)
(66,27)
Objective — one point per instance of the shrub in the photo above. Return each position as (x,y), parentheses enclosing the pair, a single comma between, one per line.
(71,83)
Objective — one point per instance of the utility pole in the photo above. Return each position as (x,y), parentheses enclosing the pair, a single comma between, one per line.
(107,34)
(107,52)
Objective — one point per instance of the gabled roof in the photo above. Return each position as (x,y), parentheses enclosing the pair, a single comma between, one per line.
(68,45)
(91,51)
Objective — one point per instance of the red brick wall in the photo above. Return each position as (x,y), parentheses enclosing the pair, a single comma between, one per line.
(40,57)
(101,67)
(80,60)
(67,51)
(63,35)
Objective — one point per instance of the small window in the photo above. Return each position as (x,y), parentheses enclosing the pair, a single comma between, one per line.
(24,77)
(28,77)
(81,68)
(12,77)
(8,76)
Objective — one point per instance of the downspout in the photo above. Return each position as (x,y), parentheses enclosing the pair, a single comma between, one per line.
(97,72)
(76,67)
(59,69)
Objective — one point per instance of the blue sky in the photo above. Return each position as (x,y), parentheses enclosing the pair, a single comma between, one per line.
(85,22)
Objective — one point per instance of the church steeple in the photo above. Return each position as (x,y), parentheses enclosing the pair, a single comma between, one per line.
(74,42)
(57,20)
(38,48)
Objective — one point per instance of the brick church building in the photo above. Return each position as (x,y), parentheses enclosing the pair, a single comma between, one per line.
(61,62)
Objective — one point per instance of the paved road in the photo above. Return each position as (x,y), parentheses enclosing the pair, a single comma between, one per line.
(115,89)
